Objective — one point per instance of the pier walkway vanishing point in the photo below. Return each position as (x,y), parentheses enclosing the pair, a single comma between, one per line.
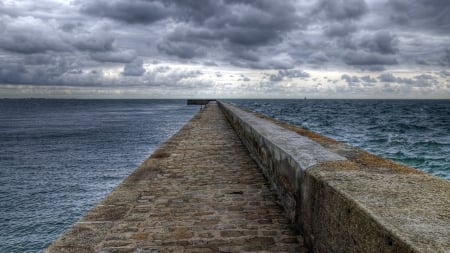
(199,192)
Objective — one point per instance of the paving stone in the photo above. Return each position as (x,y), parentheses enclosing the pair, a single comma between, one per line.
(199,192)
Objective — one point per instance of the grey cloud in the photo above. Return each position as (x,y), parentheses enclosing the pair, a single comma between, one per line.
(210,63)
(276,78)
(134,68)
(445,60)
(93,42)
(70,26)
(28,35)
(420,14)
(177,74)
(289,73)
(340,29)
(350,79)
(423,80)
(252,59)
(38,59)
(75,72)
(356,58)
(137,11)
(246,55)
(12,73)
(318,58)
(15,71)
(294,73)
(212,14)
(181,49)
(173,78)
(248,36)
(121,56)
(444,73)
(381,42)
(422,62)
(233,28)
(368,79)
(390,78)
(61,46)
(162,69)
(342,9)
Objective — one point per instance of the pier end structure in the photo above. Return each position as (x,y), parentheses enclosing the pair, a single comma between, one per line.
(199,101)
(343,198)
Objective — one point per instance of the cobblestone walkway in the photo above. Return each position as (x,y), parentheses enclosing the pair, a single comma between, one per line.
(199,192)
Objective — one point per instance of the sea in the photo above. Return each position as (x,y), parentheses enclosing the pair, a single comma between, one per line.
(412,132)
(59,158)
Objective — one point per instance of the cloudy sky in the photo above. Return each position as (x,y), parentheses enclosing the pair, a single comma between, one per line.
(225,48)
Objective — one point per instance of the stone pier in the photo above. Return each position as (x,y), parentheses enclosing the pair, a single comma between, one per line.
(199,192)
(233,180)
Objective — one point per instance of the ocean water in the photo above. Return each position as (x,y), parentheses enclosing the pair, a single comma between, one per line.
(412,132)
(58,158)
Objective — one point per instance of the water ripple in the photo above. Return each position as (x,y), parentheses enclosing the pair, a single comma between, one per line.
(58,158)
(413,132)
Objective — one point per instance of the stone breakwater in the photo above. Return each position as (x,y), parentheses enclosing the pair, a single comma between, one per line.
(343,198)
(199,192)
(275,188)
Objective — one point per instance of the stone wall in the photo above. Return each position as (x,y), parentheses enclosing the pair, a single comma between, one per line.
(342,198)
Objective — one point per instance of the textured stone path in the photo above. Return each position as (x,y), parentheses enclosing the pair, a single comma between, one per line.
(199,192)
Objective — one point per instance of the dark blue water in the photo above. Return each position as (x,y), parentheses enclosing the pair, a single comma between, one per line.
(412,132)
(58,158)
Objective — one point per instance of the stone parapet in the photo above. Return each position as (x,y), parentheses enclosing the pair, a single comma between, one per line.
(343,198)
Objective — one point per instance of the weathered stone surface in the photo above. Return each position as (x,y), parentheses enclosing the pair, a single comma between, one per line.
(199,192)
(361,203)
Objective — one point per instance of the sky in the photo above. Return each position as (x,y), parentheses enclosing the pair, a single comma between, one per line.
(225,49)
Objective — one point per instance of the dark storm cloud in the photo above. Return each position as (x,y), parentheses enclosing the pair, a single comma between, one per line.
(420,14)
(382,42)
(341,9)
(318,58)
(28,35)
(340,29)
(58,43)
(137,11)
(12,72)
(181,49)
(445,60)
(360,58)
(40,71)
(236,28)
(38,59)
(134,68)
(123,56)
(93,42)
